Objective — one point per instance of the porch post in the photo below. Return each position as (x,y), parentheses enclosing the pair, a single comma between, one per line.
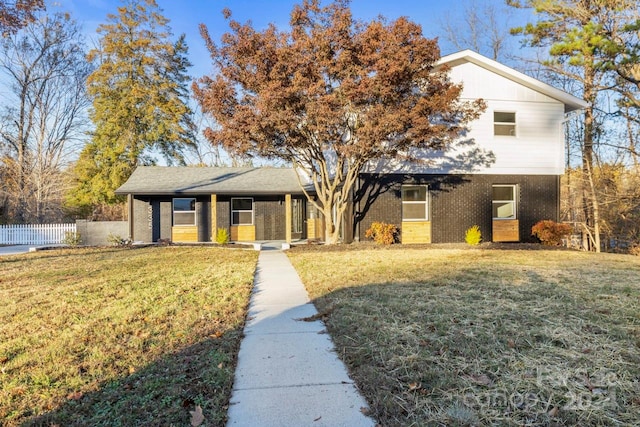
(288,216)
(214,217)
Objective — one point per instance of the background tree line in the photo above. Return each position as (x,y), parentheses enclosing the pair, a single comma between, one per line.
(63,98)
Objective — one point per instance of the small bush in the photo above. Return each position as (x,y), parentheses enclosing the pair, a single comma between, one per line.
(634,249)
(382,233)
(222,236)
(117,240)
(473,236)
(550,233)
(72,238)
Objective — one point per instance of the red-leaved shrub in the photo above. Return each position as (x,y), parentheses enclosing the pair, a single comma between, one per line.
(550,233)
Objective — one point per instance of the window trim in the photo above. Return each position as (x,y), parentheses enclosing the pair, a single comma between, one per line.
(514,202)
(173,212)
(514,123)
(425,202)
(242,210)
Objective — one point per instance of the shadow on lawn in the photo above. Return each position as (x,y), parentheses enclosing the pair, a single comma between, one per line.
(464,349)
(161,393)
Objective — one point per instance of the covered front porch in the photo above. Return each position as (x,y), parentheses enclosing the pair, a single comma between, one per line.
(187,205)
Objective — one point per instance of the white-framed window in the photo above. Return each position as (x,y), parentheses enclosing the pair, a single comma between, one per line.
(242,211)
(504,201)
(504,123)
(184,211)
(415,203)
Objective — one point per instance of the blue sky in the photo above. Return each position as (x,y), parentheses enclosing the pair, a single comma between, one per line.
(186,15)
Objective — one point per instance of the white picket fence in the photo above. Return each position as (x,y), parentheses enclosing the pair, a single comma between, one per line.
(34,234)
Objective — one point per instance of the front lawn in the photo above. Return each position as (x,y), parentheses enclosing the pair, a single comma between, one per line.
(484,337)
(116,337)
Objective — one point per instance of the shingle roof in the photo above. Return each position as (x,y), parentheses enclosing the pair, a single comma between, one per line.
(164,180)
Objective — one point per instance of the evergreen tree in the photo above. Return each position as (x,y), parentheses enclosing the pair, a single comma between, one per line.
(577,34)
(139,92)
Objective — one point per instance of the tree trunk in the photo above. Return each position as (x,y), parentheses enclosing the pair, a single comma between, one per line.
(590,196)
(331,227)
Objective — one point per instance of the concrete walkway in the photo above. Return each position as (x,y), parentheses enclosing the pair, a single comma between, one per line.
(288,373)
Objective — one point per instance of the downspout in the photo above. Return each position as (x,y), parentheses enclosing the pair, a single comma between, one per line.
(559,198)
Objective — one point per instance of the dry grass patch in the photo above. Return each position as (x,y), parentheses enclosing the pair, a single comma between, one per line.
(120,336)
(484,337)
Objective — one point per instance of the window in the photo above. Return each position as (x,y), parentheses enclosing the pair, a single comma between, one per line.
(184,211)
(415,203)
(504,201)
(242,211)
(504,124)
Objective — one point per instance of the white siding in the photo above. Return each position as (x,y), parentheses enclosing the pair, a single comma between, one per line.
(537,148)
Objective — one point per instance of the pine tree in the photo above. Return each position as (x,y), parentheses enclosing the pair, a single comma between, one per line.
(577,32)
(139,92)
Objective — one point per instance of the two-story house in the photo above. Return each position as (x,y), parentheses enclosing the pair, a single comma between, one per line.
(503,176)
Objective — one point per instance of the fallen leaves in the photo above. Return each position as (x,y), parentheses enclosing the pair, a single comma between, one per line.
(415,386)
(76,395)
(481,379)
(196,416)
(324,316)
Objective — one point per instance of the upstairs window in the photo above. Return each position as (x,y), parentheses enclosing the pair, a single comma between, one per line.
(504,201)
(504,124)
(184,211)
(415,203)
(242,211)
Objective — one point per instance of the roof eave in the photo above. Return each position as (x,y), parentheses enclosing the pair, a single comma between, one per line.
(571,103)
(201,193)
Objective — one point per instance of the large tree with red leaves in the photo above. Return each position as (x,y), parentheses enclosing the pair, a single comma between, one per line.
(15,14)
(329,95)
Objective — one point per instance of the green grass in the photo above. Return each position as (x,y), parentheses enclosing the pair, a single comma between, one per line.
(120,336)
(440,337)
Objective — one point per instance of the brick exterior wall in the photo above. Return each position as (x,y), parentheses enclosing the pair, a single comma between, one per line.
(223,213)
(456,202)
(153,218)
(268,216)
(142,219)
(203,218)
(269,219)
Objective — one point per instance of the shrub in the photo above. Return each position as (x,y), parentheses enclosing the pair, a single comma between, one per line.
(117,240)
(72,238)
(222,236)
(473,236)
(550,233)
(382,233)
